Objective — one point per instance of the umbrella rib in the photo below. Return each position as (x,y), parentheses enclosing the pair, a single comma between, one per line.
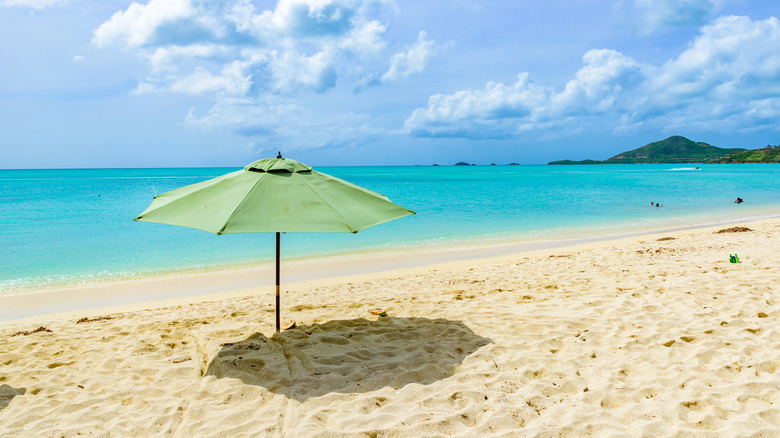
(349,225)
(240,204)
(203,187)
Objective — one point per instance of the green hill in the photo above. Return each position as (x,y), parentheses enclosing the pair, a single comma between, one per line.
(675,149)
(769,154)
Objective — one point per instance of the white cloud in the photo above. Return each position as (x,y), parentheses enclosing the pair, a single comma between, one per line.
(292,70)
(78,58)
(137,25)
(495,111)
(300,45)
(728,79)
(307,17)
(500,110)
(403,64)
(410,61)
(32,4)
(599,83)
(734,62)
(733,56)
(366,39)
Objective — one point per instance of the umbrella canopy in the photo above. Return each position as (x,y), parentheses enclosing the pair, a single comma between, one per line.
(273,195)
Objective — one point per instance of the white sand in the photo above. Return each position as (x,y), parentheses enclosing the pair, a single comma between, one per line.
(630,338)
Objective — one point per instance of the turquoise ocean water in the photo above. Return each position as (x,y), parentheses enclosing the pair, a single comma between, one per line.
(66,227)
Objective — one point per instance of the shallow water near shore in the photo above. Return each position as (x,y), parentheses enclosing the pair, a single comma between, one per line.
(70,227)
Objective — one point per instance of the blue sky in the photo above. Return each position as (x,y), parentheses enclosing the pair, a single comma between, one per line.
(372,82)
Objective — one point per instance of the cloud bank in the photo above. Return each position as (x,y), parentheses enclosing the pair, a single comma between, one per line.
(228,48)
(258,62)
(255,67)
(204,46)
(728,79)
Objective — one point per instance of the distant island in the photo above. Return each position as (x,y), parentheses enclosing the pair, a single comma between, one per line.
(678,149)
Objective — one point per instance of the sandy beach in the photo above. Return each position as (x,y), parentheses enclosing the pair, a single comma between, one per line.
(655,335)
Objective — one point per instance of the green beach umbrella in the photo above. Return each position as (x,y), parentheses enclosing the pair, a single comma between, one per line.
(273,195)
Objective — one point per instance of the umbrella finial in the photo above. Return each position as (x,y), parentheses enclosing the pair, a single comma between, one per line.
(279,155)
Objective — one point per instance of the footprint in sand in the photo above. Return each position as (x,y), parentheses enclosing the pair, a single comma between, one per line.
(7,393)
(337,340)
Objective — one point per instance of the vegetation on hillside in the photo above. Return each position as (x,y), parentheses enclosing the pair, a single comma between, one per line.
(768,154)
(675,149)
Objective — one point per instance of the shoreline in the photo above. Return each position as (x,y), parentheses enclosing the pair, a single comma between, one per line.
(193,287)
(515,242)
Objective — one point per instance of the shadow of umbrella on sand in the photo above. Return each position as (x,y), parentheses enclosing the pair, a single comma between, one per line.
(275,195)
(348,356)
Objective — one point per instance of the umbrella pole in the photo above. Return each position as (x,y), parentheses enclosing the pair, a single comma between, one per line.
(278,244)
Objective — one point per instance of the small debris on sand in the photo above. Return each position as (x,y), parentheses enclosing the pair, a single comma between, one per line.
(378,311)
(99,318)
(25,333)
(733,230)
